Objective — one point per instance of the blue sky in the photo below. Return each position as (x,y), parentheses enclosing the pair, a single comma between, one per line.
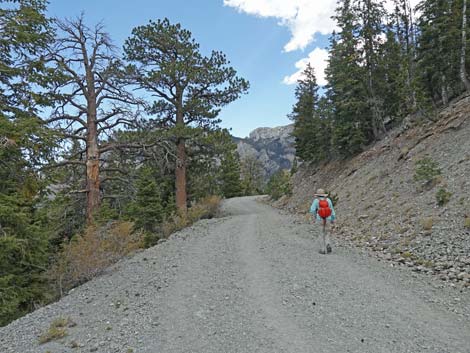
(255,43)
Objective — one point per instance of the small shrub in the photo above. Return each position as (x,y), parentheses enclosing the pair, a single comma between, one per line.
(206,208)
(402,230)
(57,330)
(151,238)
(88,254)
(419,261)
(427,223)
(428,263)
(443,196)
(372,178)
(426,171)
(404,151)
(467,223)
(407,255)
(174,223)
(54,333)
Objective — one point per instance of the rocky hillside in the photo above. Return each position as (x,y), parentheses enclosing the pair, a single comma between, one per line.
(272,147)
(382,207)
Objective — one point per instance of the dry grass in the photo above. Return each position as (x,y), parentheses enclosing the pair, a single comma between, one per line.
(407,255)
(467,223)
(88,254)
(427,223)
(57,330)
(205,209)
(424,262)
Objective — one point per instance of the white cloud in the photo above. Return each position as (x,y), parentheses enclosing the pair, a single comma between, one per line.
(304,18)
(318,60)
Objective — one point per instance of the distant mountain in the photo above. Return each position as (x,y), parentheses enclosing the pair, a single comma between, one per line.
(272,147)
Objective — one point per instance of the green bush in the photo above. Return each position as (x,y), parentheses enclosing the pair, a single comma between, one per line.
(279,185)
(443,196)
(426,170)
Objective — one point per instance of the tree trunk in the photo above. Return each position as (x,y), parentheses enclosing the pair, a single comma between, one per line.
(376,118)
(410,51)
(181,198)
(445,97)
(180,170)
(92,165)
(463,70)
(92,147)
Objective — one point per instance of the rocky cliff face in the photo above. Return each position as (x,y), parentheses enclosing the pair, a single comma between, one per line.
(272,147)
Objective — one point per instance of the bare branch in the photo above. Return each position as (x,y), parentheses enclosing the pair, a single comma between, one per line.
(78,191)
(121,146)
(64,163)
(120,121)
(75,118)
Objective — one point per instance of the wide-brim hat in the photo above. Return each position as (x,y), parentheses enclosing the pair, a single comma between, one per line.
(321,193)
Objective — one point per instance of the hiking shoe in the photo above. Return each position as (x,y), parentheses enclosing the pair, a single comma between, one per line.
(328,248)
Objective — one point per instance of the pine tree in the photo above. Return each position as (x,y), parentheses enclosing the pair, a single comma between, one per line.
(438,52)
(463,47)
(346,89)
(230,176)
(147,210)
(311,120)
(190,88)
(392,68)
(207,152)
(370,15)
(279,184)
(252,175)
(405,30)
(307,123)
(24,144)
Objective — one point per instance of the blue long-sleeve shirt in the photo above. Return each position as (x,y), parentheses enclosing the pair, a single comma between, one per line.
(315,206)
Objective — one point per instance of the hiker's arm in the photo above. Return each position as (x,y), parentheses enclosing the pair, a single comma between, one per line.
(313,209)
(333,213)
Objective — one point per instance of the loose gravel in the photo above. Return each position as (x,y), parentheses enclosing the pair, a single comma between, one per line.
(251,281)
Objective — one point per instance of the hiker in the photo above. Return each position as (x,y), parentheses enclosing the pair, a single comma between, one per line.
(322,210)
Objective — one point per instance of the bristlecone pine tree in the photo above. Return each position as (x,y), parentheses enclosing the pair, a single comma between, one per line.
(190,88)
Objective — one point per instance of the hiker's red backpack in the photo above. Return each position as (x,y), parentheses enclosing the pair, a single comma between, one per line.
(324,210)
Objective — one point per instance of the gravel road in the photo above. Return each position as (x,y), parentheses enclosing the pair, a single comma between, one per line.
(251,281)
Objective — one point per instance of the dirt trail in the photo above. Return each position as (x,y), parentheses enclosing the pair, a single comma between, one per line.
(252,281)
